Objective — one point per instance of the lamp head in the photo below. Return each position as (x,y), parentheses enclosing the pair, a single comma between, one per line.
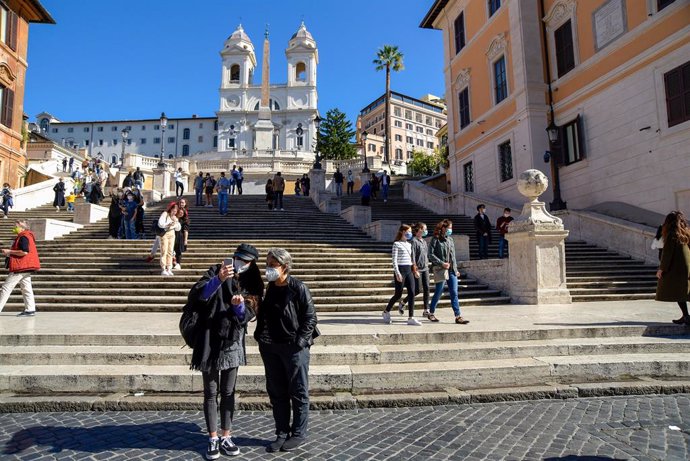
(164,120)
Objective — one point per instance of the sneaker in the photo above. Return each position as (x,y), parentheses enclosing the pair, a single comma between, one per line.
(177,266)
(26,314)
(401,307)
(292,443)
(5,217)
(413,321)
(170,273)
(276,445)
(387,317)
(228,448)
(164,273)
(213,451)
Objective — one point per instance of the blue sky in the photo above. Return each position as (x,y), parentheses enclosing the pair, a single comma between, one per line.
(135,58)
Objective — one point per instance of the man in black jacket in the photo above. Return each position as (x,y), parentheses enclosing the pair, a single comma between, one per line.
(285,329)
(482,226)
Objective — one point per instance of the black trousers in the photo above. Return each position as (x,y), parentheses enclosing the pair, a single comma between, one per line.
(278,199)
(407,282)
(421,284)
(223,383)
(287,383)
(179,188)
(114,226)
(178,246)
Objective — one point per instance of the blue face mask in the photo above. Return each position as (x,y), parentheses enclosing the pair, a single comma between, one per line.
(425,233)
(449,232)
(408,235)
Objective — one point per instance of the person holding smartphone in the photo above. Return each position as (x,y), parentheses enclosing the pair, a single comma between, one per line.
(226,298)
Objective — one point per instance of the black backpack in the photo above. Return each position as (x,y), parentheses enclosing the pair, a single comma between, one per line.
(189,323)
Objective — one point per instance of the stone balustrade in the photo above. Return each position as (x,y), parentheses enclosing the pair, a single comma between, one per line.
(357,215)
(50,229)
(87,213)
(384,230)
(37,194)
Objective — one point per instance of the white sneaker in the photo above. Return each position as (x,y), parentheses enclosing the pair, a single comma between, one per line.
(282,209)
(413,321)
(387,317)
(177,266)
(164,273)
(170,273)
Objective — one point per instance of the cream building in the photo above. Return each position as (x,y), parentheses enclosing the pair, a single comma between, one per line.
(613,76)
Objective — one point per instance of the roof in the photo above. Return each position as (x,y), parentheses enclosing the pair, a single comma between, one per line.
(148,120)
(40,15)
(406,99)
(432,14)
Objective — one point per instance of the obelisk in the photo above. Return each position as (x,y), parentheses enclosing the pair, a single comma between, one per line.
(264,126)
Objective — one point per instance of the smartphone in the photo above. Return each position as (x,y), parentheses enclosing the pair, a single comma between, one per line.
(229,262)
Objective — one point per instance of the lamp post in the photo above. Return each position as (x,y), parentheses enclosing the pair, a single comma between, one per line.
(554,156)
(125,135)
(363,136)
(163,125)
(317,125)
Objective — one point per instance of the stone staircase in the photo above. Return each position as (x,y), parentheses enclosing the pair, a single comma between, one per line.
(593,273)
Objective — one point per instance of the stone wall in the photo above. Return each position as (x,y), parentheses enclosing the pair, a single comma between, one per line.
(492,272)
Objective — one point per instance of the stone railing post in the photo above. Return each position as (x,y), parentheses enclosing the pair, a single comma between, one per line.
(161,180)
(318,180)
(537,248)
(357,215)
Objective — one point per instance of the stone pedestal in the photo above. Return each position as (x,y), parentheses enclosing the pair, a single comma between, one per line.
(383,230)
(162,177)
(462,247)
(537,249)
(87,213)
(357,215)
(318,180)
(50,229)
(331,206)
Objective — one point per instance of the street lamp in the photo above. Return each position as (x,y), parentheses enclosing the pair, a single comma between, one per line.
(554,156)
(299,131)
(317,125)
(125,134)
(164,125)
(363,136)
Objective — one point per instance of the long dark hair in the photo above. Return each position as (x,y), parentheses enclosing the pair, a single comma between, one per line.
(676,226)
(441,227)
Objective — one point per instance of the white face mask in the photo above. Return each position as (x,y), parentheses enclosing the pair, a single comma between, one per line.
(272,274)
(240,266)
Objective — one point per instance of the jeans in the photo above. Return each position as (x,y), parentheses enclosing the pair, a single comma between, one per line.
(70,206)
(232,188)
(223,383)
(130,229)
(350,188)
(421,285)
(483,247)
(287,383)
(199,193)
(338,189)
(179,188)
(407,282)
(223,202)
(384,192)
(278,200)
(502,245)
(452,283)
(139,183)
(24,281)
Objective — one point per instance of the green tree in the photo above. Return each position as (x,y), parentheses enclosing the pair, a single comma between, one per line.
(423,164)
(335,136)
(388,57)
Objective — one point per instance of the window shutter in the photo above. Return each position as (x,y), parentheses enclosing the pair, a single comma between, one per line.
(12,26)
(7,107)
(581,136)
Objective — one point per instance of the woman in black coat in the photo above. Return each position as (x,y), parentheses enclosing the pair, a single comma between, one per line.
(115,215)
(59,199)
(226,298)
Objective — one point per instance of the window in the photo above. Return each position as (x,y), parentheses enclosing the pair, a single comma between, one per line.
(86,129)
(410,154)
(201,125)
(565,55)
(420,142)
(464,107)
(420,129)
(143,127)
(398,123)
(438,123)
(398,154)
(397,111)
(428,121)
(70,130)
(215,125)
(409,126)
(186,133)
(660,4)
(100,142)
(677,83)
(55,130)
(9,23)
(171,127)
(215,141)
(235,73)
(500,83)
(409,139)
(505,161)
(430,145)
(459,28)
(301,72)
(113,128)
(300,142)
(231,143)
(128,128)
(86,143)
(408,114)
(398,137)
(185,150)
(468,176)
(171,139)
(142,141)
(494,5)
(156,140)
(114,142)
(200,139)
(129,141)
(418,117)
(100,128)
(573,147)
(156,127)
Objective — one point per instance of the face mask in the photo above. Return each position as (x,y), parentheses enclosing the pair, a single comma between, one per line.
(130,198)
(272,274)
(241,266)
(408,235)
(425,233)
(449,232)
(16,229)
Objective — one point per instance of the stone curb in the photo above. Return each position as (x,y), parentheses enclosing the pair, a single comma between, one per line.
(18,403)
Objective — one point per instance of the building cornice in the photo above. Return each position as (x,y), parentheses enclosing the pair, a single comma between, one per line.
(432,14)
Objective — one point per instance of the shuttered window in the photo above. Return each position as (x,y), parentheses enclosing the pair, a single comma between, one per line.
(459,27)
(677,83)
(7,112)
(464,107)
(565,55)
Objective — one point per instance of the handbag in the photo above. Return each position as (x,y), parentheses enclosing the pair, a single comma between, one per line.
(156,229)
(440,273)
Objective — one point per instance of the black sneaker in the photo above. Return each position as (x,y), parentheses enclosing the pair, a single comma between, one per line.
(292,443)
(228,448)
(213,452)
(26,314)
(276,445)
(401,308)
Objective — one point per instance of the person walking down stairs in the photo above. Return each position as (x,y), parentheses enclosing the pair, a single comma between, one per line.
(270,195)
(59,190)
(385,184)
(420,250)
(674,268)
(404,274)
(168,221)
(278,189)
(445,268)
(22,261)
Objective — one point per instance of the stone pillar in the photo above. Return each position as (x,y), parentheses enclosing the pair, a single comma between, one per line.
(462,247)
(537,248)
(161,180)
(317,180)
(357,215)
(383,230)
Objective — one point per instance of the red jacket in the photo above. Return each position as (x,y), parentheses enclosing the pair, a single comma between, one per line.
(28,262)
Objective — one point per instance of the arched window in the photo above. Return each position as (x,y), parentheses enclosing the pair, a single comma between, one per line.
(235,73)
(44,125)
(301,72)
(113,160)
(186,133)
(171,156)
(185,150)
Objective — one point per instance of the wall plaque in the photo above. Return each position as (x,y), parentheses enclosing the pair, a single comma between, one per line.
(609,22)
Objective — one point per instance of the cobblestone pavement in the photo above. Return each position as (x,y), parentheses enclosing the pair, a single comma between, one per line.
(631,428)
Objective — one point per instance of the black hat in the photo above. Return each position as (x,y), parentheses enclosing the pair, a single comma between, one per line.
(246,252)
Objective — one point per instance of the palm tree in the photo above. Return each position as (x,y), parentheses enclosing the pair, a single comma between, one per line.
(388,57)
